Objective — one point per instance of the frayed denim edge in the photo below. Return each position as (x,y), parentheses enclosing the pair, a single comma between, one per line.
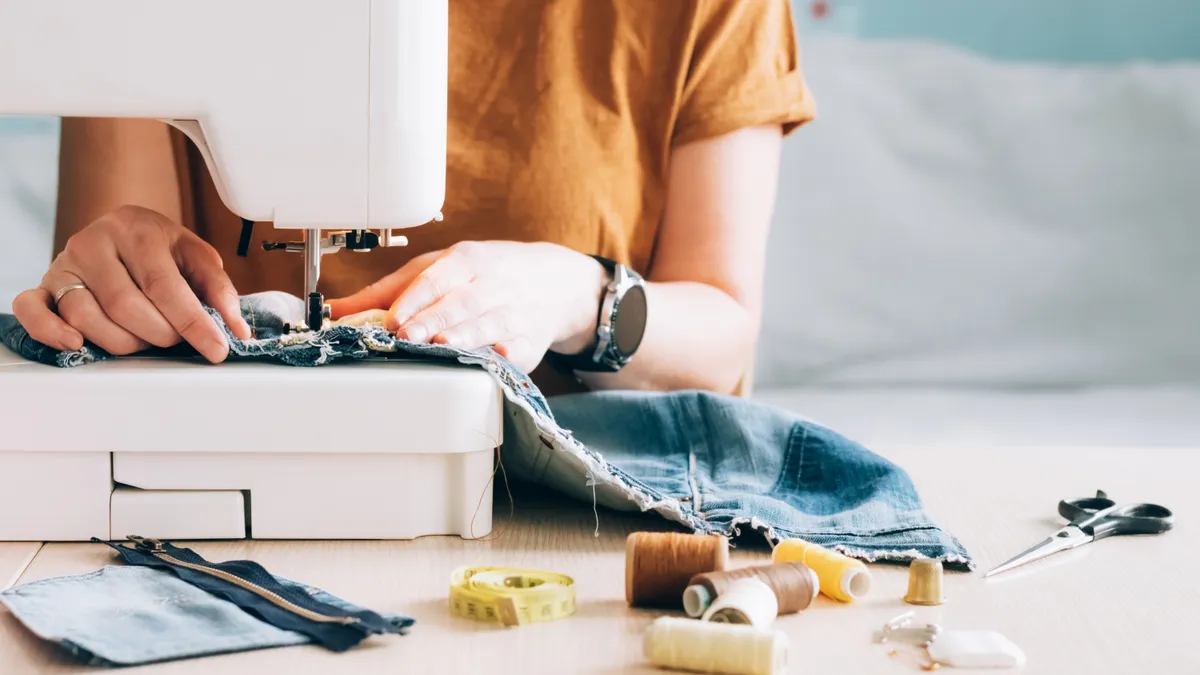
(865,554)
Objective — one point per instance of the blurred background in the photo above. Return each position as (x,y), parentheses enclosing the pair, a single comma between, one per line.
(998,195)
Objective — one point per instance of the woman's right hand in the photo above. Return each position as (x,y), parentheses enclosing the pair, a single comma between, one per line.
(144,279)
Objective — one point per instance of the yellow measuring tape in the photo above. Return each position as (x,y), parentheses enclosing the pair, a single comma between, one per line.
(511,596)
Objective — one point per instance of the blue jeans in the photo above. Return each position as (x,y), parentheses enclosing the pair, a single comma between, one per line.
(715,464)
(123,616)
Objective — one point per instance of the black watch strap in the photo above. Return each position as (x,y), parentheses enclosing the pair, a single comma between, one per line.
(609,266)
(585,361)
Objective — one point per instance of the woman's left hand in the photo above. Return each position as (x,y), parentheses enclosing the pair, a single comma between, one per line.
(523,299)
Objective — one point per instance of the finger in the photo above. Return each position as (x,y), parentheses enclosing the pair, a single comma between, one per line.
(521,352)
(34,310)
(201,266)
(449,272)
(382,293)
(80,309)
(156,273)
(491,328)
(460,306)
(124,303)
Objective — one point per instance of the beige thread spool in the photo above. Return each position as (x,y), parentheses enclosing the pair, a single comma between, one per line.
(925,582)
(746,601)
(707,647)
(794,584)
(658,565)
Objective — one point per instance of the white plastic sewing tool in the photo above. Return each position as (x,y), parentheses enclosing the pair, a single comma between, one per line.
(900,629)
(975,649)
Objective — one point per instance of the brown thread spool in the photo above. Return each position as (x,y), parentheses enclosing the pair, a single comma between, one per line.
(658,565)
(794,584)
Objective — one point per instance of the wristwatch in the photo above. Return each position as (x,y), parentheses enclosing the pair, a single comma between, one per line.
(620,326)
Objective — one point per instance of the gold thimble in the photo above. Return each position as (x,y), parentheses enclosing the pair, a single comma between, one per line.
(925,582)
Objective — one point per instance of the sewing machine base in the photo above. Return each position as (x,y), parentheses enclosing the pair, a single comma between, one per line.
(185,450)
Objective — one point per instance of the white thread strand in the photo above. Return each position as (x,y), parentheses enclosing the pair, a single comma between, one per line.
(595,509)
(706,647)
(745,601)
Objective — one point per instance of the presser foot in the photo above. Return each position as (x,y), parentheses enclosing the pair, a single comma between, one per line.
(318,312)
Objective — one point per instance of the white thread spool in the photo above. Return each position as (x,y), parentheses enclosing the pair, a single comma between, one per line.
(696,600)
(707,647)
(748,601)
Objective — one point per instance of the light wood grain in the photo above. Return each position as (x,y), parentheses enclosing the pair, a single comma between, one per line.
(1123,605)
(14,558)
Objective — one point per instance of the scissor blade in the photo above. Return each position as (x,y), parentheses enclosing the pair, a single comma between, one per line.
(1066,538)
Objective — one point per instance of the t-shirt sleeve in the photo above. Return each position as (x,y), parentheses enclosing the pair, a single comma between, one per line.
(744,71)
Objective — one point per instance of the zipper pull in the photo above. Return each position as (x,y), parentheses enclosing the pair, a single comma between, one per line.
(146,544)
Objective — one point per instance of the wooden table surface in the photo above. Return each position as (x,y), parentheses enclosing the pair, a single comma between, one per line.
(1122,605)
(14,559)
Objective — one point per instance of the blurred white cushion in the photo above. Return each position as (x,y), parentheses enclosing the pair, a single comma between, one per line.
(28,180)
(973,418)
(954,220)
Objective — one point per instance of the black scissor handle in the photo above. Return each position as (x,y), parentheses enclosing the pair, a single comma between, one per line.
(1085,507)
(1100,517)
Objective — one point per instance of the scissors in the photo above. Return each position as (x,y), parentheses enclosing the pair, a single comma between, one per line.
(1094,518)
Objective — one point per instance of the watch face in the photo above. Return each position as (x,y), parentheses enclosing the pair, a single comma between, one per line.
(629,325)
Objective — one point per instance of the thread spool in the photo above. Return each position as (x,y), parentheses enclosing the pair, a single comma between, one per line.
(842,578)
(658,565)
(746,601)
(925,582)
(707,647)
(794,584)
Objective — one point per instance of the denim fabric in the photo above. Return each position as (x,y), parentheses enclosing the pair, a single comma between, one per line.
(333,636)
(730,463)
(15,338)
(715,464)
(120,616)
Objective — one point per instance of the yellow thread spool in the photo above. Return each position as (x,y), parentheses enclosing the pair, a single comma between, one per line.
(842,578)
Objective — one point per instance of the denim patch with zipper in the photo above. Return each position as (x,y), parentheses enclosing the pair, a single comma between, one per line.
(134,615)
(246,584)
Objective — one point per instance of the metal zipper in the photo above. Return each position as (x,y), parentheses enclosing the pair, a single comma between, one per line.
(154,547)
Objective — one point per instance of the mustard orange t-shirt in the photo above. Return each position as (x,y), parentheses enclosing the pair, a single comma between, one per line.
(562,118)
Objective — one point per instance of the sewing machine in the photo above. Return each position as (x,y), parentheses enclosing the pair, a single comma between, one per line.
(328,118)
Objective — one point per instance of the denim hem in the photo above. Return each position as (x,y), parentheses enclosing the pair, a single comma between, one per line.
(941,545)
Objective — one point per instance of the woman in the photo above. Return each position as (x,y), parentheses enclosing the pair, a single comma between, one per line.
(646,133)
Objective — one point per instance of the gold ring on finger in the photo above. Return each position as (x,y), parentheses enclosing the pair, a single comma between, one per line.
(58,295)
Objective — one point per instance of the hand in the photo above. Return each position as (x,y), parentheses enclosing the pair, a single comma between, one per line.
(523,299)
(144,279)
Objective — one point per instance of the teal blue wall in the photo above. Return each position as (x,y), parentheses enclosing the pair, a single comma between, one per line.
(1042,30)
(16,125)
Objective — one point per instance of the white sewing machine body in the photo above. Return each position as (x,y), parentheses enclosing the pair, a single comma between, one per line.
(182,449)
(313,115)
(309,113)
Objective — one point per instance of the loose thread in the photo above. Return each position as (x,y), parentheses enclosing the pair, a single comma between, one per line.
(496,533)
(595,509)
